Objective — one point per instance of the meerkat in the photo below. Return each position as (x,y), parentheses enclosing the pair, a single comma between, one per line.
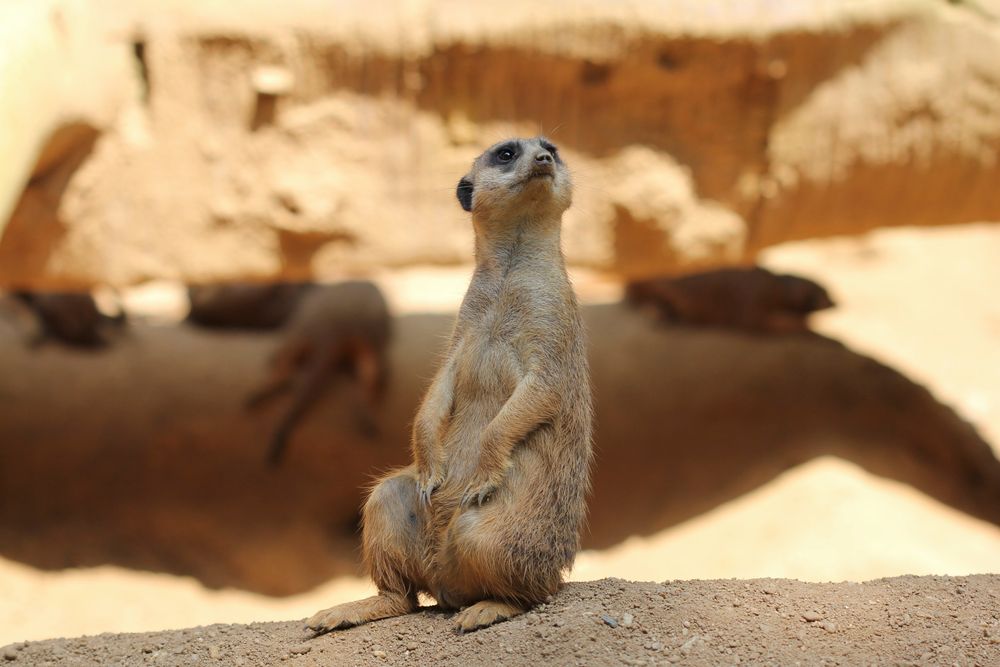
(487,517)
(752,299)
(244,306)
(72,318)
(340,328)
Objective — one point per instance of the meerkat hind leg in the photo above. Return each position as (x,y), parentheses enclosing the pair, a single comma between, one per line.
(347,615)
(393,526)
(484,614)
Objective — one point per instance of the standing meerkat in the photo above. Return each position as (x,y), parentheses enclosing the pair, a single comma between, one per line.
(488,516)
(336,329)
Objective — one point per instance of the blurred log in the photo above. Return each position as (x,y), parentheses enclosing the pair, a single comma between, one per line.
(142,455)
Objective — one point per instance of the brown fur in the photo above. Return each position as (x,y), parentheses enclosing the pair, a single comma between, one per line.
(488,515)
(244,306)
(70,317)
(342,328)
(751,299)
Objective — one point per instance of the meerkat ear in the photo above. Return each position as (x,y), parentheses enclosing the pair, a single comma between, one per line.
(464,193)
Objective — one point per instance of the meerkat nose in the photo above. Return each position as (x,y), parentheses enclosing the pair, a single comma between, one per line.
(543,157)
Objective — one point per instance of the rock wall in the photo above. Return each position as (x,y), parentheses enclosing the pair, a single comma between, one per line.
(321,138)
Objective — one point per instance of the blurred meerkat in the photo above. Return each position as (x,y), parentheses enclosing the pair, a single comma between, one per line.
(244,305)
(753,299)
(488,515)
(70,317)
(335,329)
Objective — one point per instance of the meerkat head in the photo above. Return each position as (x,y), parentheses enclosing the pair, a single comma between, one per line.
(804,295)
(517,178)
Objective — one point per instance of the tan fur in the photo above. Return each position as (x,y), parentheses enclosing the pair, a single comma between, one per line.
(341,328)
(752,299)
(488,515)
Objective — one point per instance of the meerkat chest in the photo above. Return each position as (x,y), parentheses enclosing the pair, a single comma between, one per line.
(496,345)
(489,364)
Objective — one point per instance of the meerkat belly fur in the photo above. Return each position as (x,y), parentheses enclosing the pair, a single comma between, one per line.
(487,518)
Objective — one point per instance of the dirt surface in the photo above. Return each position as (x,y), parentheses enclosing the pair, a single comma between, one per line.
(899,621)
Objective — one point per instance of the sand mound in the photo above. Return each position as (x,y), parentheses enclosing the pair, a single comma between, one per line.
(906,620)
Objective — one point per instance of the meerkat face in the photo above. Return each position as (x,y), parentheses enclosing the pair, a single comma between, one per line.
(804,295)
(519,177)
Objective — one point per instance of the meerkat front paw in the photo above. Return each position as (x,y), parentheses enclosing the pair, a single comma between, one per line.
(485,483)
(479,492)
(428,482)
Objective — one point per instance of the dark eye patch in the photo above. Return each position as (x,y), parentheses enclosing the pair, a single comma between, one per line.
(505,155)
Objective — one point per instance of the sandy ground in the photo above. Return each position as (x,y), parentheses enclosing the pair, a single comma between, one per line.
(914,298)
(903,621)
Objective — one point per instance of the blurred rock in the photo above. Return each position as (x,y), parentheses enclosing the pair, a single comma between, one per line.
(247,141)
(60,69)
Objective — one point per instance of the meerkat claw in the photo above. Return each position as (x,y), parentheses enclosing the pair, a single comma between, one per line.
(427,489)
(478,495)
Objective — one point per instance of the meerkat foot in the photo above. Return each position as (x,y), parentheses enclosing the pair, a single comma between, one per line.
(349,614)
(484,614)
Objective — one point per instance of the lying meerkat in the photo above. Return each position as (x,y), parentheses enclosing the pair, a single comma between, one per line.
(340,328)
(752,299)
(488,516)
(244,305)
(70,317)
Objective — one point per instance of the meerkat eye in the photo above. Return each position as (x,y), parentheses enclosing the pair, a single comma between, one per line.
(505,155)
